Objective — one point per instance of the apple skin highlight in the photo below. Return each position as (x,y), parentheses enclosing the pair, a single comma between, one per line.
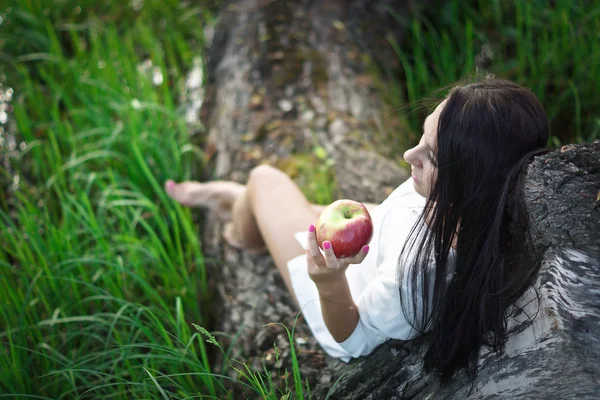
(347,225)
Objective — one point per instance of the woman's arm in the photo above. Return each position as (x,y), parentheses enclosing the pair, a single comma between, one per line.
(340,313)
(338,308)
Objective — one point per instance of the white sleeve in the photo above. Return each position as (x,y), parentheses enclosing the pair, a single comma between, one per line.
(381,316)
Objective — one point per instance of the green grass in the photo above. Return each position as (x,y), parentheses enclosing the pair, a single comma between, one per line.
(261,382)
(551,49)
(101,274)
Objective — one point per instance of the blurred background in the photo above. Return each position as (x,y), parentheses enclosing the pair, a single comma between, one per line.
(101,276)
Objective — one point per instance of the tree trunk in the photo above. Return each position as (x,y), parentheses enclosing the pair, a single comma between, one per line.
(286,76)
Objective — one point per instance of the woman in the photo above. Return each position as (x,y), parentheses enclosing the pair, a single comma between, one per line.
(457,227)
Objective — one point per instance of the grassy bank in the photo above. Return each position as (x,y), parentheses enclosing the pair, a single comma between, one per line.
(101,274)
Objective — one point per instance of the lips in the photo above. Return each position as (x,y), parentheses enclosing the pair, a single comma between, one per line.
(414,177)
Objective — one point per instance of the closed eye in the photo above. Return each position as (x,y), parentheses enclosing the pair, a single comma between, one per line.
(432,158)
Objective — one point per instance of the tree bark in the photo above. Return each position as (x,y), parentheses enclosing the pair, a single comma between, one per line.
(286,76)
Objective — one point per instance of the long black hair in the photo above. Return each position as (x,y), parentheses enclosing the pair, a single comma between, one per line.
(488,132)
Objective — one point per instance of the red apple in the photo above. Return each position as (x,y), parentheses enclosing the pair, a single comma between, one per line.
(347,225)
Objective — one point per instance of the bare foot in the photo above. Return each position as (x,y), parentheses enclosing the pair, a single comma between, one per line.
(232,238)
(218,196)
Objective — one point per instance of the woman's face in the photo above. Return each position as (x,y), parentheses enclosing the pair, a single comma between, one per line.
(423,156)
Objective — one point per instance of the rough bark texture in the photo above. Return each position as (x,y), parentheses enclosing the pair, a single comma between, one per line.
(284,76)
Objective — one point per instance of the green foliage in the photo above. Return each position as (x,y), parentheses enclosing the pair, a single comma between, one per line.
(318,174)
(261,382)
(100,272)
(314,174)
(551,48)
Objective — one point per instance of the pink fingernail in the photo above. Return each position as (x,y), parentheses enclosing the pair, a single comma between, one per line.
(170,184)
(366,249)
(311,228)
(326,245)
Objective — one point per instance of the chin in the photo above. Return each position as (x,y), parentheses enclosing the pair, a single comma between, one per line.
(420,190)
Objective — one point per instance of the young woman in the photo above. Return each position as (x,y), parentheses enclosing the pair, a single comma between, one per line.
(448,254)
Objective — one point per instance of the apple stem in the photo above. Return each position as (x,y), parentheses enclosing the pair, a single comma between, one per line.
(346,215)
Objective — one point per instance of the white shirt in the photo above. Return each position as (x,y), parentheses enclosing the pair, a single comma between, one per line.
(373,283)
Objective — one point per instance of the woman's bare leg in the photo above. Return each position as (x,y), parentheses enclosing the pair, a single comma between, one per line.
(270,212)
(218,196)
(244,230)
(266,212)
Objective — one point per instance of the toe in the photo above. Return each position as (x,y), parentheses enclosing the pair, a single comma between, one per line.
(170,185)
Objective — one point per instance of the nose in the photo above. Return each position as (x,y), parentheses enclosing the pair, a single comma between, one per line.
(410,156)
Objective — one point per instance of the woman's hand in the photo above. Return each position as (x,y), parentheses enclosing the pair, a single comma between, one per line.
(328,269)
